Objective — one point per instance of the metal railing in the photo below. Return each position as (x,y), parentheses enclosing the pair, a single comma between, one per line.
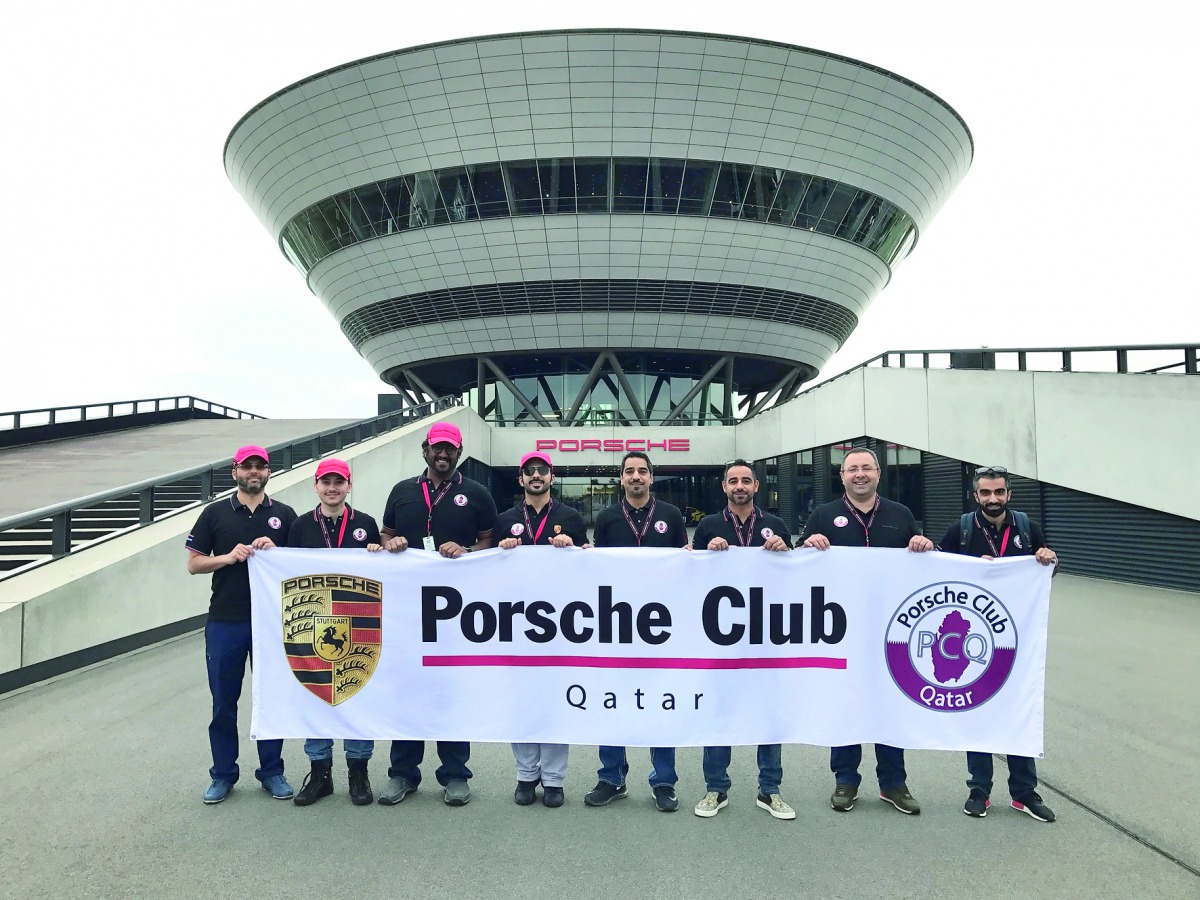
(88,412)
(1117,359)
(33,538)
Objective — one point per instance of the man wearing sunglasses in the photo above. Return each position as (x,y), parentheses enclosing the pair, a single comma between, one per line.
(861,518)
(742,524)
(538,519)
(991,532)
(224,537)
(638,520)
(440,510)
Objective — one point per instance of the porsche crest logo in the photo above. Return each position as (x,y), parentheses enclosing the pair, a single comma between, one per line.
(332,632)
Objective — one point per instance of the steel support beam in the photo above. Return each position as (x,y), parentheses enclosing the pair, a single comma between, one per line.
(628,389)
(698,387)
(521,398)
(778,389)
(588,384)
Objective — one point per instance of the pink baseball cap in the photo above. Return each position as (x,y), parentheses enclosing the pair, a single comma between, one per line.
(244,453)
(444,433)
(332,467)
(536,454)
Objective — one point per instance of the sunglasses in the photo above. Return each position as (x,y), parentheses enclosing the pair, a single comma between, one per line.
(991,471)
(536,470)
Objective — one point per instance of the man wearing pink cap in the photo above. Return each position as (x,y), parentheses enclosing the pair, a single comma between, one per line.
(443,511)
(225,536)
(334,523)
(539,520)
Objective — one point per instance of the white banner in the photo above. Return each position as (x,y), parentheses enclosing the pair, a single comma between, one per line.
(649,647)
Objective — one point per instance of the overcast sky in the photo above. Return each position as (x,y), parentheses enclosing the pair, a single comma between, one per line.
(134,269)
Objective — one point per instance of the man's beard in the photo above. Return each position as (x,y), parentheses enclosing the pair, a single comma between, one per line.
(246,487)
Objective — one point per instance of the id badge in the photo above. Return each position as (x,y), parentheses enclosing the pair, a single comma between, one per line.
(428,542)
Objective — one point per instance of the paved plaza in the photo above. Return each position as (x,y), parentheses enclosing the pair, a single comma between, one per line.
(104,769)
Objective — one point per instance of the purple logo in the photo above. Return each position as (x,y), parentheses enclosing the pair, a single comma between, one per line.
(460,499)
(660,526)
(274,522)
(951,646)
(518,528)
(767,533)
(841,521)
(360,534)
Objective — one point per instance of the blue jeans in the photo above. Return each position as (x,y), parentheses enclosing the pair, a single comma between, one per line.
(317,749)
(614,766)
(227,647)
(1022,774)
(407,756)
(889,766)
(770,768)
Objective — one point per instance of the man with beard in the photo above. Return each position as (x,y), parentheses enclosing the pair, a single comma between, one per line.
(539,520)
(744,524)
(334,523)
(444,511)
(638,520)
(861,518)
(225,536)
(995,531)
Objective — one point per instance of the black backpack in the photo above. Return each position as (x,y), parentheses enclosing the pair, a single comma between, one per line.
(966,525)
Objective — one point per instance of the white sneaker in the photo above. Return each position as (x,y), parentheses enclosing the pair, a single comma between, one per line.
(775,806)
(712,804)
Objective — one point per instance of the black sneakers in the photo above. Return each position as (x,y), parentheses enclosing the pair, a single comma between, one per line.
(843,797)
(1031,804)
(977,804)
(902,800)
(665,799)
(604,793)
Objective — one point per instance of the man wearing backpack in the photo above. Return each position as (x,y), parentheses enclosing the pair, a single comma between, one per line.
(991,532)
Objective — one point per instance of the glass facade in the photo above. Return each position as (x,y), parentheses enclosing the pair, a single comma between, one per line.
(636,186)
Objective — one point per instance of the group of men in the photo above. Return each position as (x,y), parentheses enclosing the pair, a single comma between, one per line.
(230,530)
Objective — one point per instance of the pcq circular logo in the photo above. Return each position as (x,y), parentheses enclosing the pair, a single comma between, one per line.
(951,646)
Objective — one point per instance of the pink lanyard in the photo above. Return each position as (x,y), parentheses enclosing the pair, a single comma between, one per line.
(438,496)
(529,524)
(992,544)
(346,513)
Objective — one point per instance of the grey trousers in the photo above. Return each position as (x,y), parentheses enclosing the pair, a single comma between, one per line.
(544,762)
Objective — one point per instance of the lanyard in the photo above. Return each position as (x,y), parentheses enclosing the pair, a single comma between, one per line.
(438,496)
(529,525)
(987,533)
(346,514)
(744,539)
(645,525)
(867,524)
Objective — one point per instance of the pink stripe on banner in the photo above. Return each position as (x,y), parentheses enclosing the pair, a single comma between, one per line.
(639,662)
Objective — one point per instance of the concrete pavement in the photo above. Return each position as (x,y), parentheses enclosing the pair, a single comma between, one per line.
(104,769)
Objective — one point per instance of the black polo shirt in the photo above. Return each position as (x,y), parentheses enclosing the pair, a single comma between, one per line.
(311,529)
(726,524)
(893,524)
(979,546)
(462,510)
(221,527)
(666,529)
(525,522)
